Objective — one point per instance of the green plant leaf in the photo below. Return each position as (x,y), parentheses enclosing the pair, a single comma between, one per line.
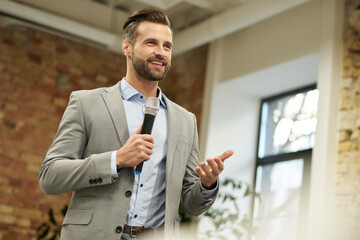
(237,233)
(53,237)
(43,230)
(247,192)
(226,182)
(64,210)
(51,217)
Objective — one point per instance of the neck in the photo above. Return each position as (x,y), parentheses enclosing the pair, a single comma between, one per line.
(145,87)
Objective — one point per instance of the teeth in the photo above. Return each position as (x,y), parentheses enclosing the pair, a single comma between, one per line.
(157,63)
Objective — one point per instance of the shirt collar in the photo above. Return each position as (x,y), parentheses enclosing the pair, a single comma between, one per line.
(128,92)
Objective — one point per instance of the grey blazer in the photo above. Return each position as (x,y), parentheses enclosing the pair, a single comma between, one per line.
(93,125)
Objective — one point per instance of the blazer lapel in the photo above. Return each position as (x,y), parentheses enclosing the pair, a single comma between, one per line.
(173,136)
(114,103)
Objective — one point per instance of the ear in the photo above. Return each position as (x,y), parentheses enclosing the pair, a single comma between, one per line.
(126,48)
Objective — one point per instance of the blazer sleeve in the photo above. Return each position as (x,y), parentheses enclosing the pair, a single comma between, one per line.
(192,198)
(64,168)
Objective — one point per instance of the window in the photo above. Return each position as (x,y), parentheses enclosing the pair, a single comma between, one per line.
(286,138)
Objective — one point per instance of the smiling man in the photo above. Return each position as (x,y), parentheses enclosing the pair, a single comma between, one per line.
(98,145)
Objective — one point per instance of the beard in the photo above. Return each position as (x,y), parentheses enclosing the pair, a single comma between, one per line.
(142,69)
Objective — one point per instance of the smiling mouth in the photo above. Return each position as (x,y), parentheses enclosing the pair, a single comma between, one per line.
(158,63)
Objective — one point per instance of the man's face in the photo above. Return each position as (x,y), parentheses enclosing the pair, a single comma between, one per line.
(151,53)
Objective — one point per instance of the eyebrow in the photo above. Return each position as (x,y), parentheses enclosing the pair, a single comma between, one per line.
(154,39)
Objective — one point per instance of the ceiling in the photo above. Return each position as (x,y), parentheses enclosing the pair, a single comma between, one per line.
(109,15)
(99,22)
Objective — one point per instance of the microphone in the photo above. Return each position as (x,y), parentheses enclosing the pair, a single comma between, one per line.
(151,110)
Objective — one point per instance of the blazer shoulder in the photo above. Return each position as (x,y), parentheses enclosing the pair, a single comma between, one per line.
(91,92)
(85,94)
(181,110)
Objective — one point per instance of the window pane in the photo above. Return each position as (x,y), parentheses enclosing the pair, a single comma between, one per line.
(281,228)
(288,123)
(279,185)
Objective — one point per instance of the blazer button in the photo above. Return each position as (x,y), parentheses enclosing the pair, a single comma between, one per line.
(95,181)
(128,194)
(91,181)
(118,229)
(100,180)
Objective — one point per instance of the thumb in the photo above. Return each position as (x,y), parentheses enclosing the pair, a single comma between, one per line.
(138,131)
(226,155)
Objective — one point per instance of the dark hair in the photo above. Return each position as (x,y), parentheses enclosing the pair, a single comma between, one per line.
(147,14)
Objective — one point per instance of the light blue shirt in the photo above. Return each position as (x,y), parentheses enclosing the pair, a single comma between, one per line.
(147,204)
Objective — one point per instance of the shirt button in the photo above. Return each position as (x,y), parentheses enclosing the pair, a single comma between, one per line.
(141,185)
(141,97)
(128,194)
(118,229)
(135,216)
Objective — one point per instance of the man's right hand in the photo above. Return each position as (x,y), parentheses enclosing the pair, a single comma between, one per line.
(137,148)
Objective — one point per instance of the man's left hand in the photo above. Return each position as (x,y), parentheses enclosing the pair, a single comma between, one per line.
(209,173)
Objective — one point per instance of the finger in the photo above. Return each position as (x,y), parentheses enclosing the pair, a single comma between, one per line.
(206,169)
(138,131)
(147,138)
(147,151)
(220,164)
(145,157)
(226,155)
(214,166)
(200,173)
(148,144)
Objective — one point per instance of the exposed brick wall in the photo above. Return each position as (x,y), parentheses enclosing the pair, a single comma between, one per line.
(347,185)
(184,84)
(38,71)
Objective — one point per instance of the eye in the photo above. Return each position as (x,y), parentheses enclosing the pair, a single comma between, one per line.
(168,46)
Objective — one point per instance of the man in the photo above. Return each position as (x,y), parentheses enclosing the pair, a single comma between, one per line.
(98,144)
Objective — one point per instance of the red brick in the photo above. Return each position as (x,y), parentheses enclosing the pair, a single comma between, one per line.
(15,182)
(19,165)
(62,67)
(9,41)
(31,185)
(13,69)
(36,40)
(61,49)
(4,199)
(44,207)
(9,236)
(16,202)
(35,58)
(4,226)
(4,31)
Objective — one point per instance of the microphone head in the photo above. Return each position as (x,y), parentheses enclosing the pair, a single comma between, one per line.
(152,106)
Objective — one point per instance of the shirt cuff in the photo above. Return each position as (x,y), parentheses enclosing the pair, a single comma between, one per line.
(207,194)
(113,170)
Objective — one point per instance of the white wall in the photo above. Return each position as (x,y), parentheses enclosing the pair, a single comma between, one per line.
(247,66)
(282,38)
(233,125)
(290,50)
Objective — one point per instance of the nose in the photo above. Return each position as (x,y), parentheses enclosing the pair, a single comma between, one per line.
(160,51)
(160,56)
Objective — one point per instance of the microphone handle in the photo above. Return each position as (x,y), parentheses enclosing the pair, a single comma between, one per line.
(147,124)
(146,129)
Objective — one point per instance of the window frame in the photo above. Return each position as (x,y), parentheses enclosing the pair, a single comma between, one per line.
(305,154)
